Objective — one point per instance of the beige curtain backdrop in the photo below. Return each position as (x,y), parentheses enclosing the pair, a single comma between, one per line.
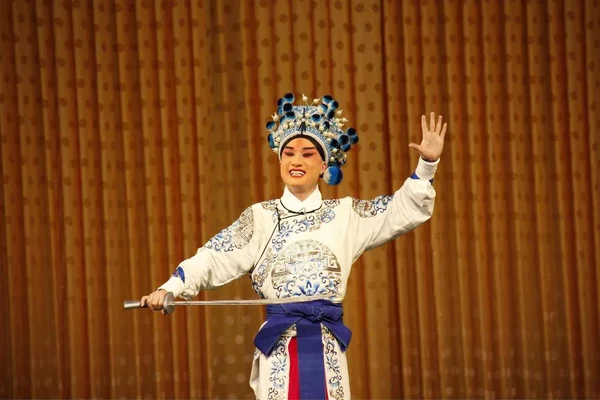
(133,131)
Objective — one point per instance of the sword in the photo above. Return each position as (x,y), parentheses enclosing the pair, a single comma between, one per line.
(169,302)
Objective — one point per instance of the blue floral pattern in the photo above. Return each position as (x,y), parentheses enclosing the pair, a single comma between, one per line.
(306,268)
(278,375)
(236,236)
(332,364)
(370,208)
(287,227)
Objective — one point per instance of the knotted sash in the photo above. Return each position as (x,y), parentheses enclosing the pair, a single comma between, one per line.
(308,317)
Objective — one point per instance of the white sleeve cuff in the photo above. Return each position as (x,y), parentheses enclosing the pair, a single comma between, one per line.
(426,170)
(174,285)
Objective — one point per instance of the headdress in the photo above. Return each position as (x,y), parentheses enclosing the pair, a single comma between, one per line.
(321,121)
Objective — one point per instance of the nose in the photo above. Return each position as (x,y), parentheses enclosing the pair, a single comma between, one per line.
(297,160)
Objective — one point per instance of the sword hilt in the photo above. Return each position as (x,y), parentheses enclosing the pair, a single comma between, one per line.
(168,305)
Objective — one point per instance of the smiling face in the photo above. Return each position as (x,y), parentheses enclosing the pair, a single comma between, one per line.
(301,166)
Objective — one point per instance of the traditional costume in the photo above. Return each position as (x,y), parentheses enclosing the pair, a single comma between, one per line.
(292,248)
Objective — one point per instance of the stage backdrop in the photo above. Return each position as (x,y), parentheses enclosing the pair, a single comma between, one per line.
(133,131)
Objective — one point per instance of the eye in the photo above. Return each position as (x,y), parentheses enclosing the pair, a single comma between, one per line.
(308,154)
(288,153)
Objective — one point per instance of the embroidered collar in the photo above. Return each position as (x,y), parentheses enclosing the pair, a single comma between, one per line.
(292,203)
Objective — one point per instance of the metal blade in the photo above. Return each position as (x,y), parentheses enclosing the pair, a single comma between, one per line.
(169,303)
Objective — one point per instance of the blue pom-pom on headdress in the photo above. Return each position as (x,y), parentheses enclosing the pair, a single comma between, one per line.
(322,121)
(333,175)
(271,141)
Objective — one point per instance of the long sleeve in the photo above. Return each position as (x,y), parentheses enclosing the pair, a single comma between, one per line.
(384,218)
(225,257)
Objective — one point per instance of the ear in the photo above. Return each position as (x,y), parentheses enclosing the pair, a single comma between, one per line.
(323,168)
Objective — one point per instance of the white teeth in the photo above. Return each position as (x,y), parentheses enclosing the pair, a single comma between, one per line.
(296,173)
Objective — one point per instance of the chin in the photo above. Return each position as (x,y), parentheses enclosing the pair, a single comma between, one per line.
(295,184)
(299,184)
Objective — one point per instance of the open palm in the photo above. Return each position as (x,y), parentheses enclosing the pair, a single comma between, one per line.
(432,143)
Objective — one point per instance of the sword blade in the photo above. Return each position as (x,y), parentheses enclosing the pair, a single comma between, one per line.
(253,302)
(169,303)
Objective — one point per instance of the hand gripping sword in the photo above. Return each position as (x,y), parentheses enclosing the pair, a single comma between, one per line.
(169,302)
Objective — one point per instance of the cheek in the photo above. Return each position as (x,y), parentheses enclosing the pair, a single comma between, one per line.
(283,167)
(320,166)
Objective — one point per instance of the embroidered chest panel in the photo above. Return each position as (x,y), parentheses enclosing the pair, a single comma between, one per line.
(306,268)
(288,225)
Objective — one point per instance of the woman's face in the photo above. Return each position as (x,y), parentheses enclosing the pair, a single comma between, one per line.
(301,165)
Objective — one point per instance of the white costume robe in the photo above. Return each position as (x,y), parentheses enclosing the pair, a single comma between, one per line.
(302,248)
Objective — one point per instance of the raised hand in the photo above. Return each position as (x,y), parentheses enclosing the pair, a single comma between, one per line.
(432,143)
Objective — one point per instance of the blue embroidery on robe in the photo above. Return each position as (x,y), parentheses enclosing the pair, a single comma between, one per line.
(332,364)
(271,205)
(279,370)
(180,273)
(306,268)
(235,236)
(370,208)
(288,227)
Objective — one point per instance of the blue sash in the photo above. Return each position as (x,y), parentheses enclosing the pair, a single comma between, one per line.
(308,317)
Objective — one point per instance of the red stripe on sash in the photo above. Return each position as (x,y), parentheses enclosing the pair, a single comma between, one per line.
(294,388)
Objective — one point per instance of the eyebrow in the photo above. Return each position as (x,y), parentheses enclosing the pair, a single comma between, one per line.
(304,148)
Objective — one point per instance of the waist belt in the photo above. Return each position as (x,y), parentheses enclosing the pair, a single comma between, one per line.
(308,317)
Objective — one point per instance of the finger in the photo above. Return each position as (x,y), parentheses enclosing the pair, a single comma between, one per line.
(444,130)
(438,127)
(156,303)
(143,301)
(415,146)
(432,122)
(158,300)
(151,302)
(424,123)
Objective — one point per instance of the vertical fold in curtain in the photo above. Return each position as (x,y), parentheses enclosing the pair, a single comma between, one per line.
(35,107)
(146,275)
(92,379)
(566,289)
(132,132)
(16,342)
(592,51)
(113,212)
(586,326)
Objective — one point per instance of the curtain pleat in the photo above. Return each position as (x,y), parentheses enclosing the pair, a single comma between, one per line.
(131,132)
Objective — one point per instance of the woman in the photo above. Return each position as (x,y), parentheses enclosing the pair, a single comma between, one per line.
(303,246)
